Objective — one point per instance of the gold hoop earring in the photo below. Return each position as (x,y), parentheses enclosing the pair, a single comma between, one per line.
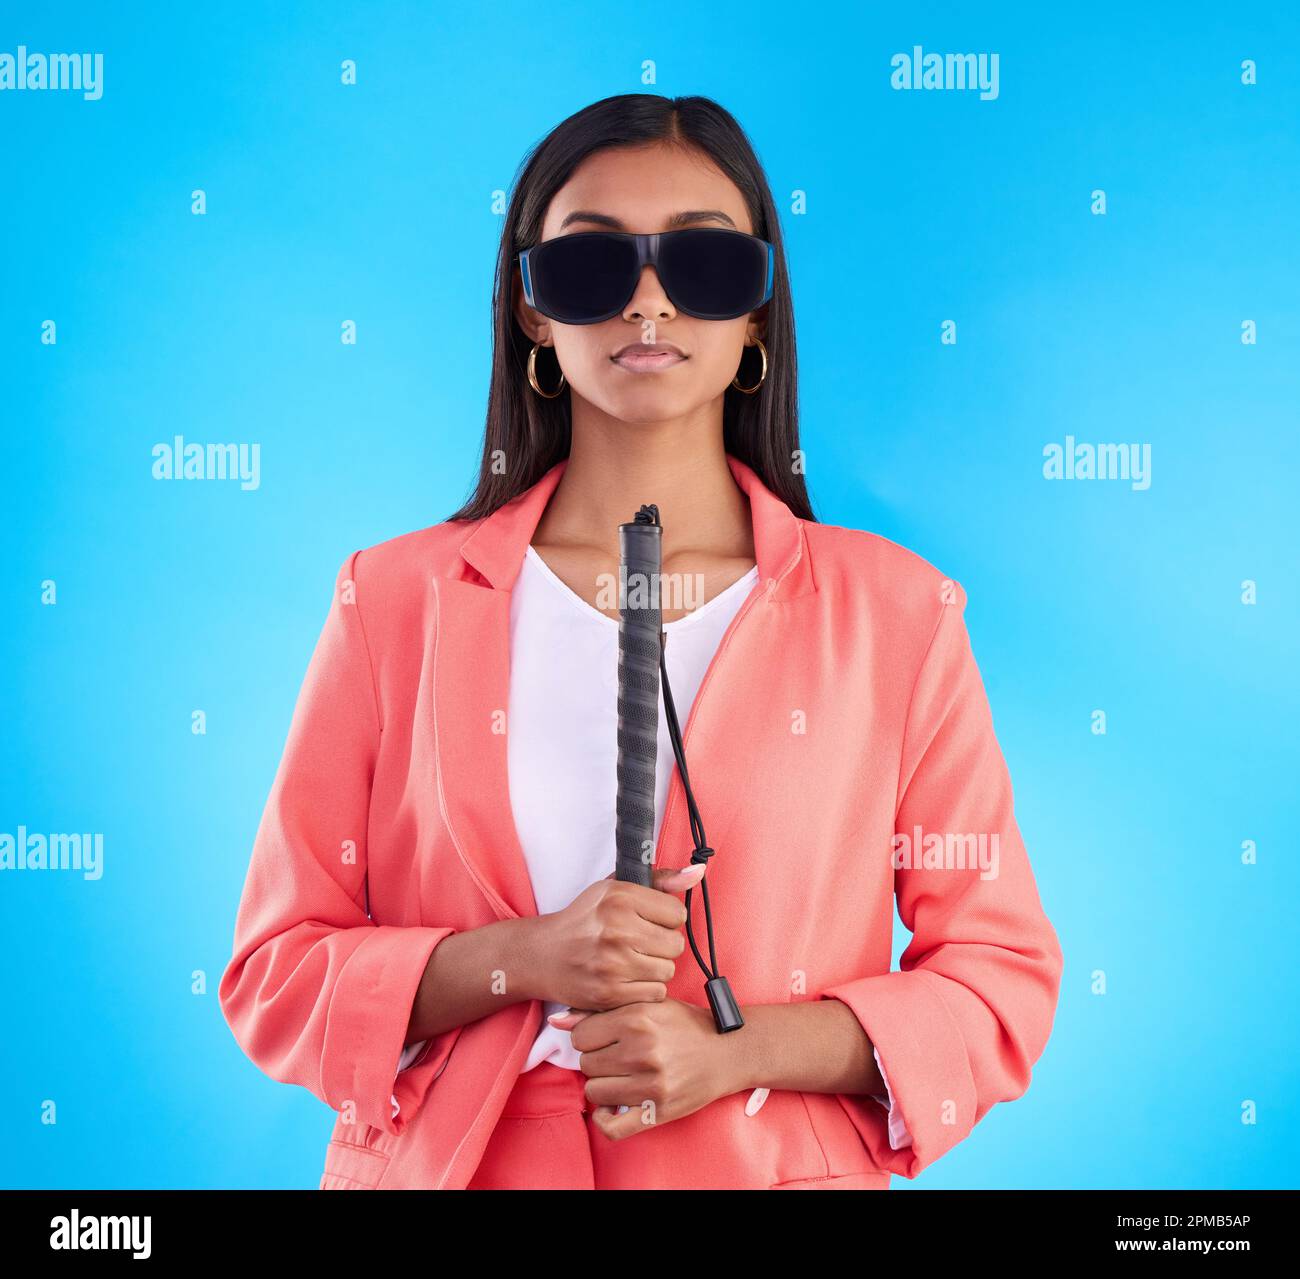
(532,375)
(749,390)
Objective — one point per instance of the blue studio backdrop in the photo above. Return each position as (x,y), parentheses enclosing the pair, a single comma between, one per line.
(1092,256)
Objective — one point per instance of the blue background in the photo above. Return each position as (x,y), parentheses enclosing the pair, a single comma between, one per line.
(374,203)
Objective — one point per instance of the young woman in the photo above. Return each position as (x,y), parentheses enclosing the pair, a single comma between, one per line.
(429,938)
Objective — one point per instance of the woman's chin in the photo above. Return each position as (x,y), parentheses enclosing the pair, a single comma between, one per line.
(648,402)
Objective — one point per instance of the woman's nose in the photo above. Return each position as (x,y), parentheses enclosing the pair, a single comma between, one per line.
(649,301)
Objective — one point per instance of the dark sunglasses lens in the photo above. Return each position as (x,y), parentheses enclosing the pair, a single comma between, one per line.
(579,279)
(714,275)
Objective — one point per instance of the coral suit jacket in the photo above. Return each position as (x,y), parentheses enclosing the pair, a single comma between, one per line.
(843,708)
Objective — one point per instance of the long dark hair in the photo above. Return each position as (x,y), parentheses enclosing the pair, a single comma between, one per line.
(530,433)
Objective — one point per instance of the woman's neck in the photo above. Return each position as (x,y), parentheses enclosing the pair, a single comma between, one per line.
(681,466)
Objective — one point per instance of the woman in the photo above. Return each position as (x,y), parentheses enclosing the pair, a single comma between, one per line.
(429,939)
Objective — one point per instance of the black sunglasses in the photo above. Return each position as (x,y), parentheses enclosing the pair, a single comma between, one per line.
(708,272)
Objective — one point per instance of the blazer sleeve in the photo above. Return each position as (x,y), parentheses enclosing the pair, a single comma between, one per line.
(316,992)
(960,1024)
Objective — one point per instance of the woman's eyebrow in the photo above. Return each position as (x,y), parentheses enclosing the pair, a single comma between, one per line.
(678,219)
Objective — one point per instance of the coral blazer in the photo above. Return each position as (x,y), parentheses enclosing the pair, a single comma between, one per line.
(843,756)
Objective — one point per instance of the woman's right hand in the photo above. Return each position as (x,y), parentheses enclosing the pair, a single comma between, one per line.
(615,943)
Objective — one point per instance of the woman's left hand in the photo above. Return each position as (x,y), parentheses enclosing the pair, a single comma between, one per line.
(662,1060)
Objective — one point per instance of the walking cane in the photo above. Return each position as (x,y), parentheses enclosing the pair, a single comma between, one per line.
(641,665)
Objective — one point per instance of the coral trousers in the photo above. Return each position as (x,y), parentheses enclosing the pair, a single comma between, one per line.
(546,1139)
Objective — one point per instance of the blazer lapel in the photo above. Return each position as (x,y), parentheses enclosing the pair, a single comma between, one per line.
(784,575)
(471,699)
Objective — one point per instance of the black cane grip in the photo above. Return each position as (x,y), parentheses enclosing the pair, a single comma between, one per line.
(639,641)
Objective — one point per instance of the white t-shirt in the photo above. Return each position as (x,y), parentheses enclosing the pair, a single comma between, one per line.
(562,737)
(562,748)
